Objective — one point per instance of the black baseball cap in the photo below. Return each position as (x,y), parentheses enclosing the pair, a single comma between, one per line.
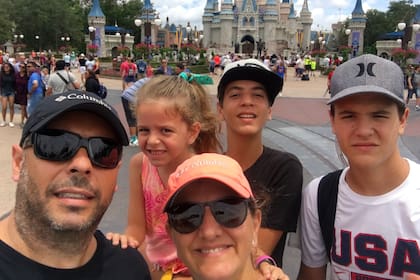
(55,105)
(253,70)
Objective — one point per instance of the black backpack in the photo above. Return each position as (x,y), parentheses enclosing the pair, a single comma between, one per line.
(327,205)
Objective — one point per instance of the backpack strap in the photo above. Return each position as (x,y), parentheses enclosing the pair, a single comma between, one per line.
(327,204)
(62,78)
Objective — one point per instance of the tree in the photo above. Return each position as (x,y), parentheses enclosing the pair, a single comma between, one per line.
(51,20)
(6,22)
(379,23)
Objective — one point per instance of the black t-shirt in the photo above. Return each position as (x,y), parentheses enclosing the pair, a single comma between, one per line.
(92,85)
(108,263)
(82,61)
(277,177)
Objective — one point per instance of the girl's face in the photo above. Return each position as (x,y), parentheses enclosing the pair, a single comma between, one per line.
(164,137)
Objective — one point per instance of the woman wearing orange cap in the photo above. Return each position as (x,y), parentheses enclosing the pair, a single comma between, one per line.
(213,219)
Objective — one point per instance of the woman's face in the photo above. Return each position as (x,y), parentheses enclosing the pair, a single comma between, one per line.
(214,251)
(6,67)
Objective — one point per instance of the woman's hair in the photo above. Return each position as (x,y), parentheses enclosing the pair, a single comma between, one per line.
(12,69)
(92,74)
(191,101)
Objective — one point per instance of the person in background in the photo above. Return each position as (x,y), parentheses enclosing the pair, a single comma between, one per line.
(329,77)
(61,80)
(7,92)
(246,93)
(82,67)
(97,66)
(128,100)
(375,214)
(165,68)
(414,87)
(92,82)
(21,97)
(66,167)
(213,219)
(35,92)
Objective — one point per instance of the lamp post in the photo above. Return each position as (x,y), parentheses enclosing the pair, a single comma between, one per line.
(92,34)
(39,42)
(18,37)
(150,19)
(178,39)
(188,29)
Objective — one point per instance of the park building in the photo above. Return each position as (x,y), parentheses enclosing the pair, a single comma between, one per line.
(256,26)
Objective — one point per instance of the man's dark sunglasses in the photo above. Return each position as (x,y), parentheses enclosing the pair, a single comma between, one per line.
(188,217)
(61,145)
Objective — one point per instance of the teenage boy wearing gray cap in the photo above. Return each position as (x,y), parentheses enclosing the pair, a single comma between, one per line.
(372,227)
(66,168)
(246,93)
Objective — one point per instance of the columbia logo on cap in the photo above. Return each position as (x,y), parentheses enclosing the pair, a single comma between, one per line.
(82,96)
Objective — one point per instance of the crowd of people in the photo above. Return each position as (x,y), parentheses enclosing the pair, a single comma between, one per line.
(200,209)
(26,80)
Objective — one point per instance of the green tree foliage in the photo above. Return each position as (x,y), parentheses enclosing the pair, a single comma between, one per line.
(53,19)
(376,25)
(379,23)
(6,23)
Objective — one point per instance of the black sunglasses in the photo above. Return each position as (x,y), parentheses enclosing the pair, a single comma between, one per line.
(188,217)
(61,145)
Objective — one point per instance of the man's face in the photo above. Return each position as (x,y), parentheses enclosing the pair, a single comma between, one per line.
(245,107)
(65,196)
(367,127)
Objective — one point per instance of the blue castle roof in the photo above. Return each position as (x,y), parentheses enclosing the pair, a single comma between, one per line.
(96,10)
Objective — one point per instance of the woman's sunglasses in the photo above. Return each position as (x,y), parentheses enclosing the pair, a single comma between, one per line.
(188,217)
(61,145)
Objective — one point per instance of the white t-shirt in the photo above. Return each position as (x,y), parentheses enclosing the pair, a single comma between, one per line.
(375,236)
(90,64)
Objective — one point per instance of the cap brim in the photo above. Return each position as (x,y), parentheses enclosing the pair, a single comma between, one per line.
(365,89)
(225,181)
(271,81)
(111,119)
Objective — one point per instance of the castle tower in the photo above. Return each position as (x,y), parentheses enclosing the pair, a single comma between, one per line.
(357,26)
(284,12)
(226,20)
(96,18)
(270,19)
(148,17)
(306,19)
(292,28)
(209,10)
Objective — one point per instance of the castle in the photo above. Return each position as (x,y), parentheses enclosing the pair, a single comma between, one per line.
(256,27)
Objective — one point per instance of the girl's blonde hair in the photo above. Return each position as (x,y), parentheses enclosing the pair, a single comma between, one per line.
(192,102)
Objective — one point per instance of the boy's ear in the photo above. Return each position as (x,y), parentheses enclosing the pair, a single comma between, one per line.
(220,111)
(17,160)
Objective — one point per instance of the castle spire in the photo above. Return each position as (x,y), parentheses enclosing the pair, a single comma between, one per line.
(305,7)
(96,10)
(358,10)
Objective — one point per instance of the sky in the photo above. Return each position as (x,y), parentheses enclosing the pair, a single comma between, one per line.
(324,12)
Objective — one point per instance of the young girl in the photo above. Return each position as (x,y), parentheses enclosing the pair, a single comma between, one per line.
(175,121)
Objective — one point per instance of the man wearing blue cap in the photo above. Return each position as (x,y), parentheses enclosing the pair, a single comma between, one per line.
(66,168)
(365,219)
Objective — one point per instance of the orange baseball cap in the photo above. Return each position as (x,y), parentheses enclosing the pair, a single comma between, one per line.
(208,166)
